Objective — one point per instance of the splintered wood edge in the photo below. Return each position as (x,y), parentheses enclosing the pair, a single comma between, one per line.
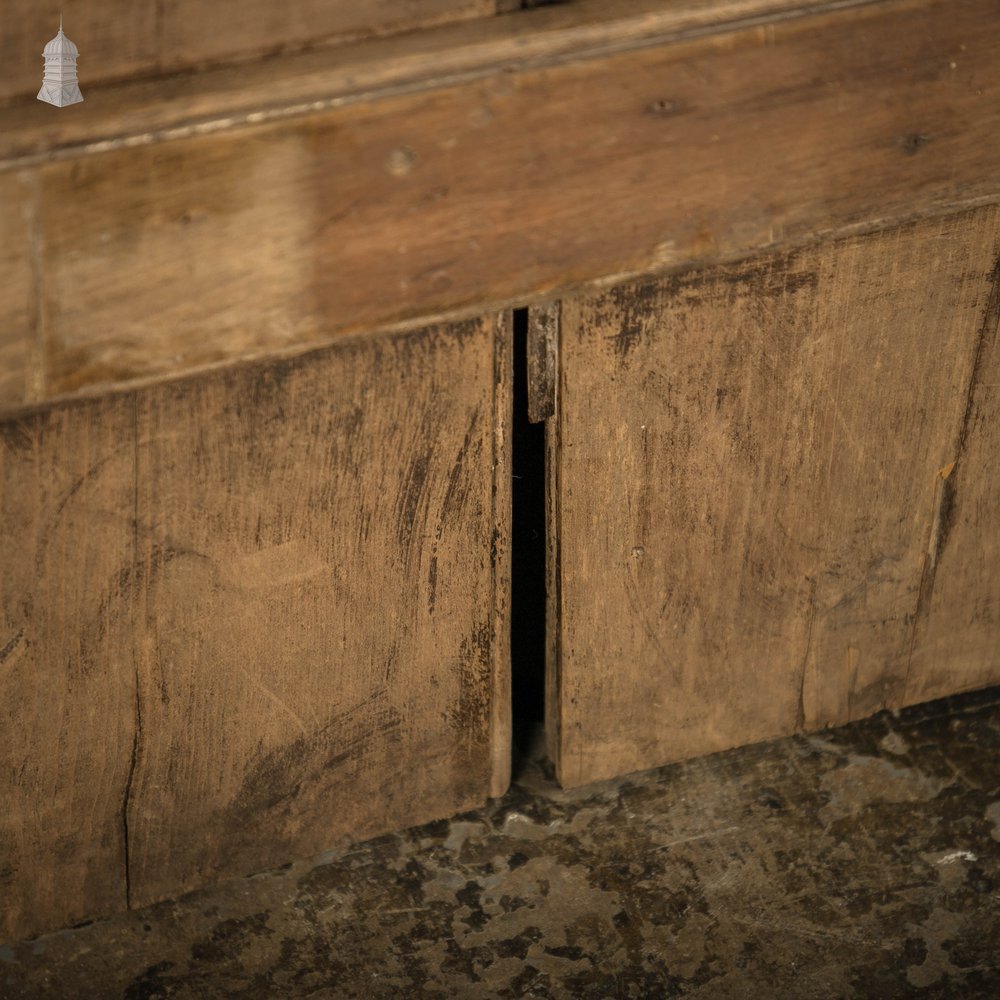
(543,360)
(553,574)
(503,405)
(227,98)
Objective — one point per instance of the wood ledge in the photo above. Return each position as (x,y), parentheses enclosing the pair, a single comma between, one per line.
(225,98)
(243,215)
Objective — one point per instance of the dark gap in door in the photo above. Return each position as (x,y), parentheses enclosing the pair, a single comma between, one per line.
(527,610)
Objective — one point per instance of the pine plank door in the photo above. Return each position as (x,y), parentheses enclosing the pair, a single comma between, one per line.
(250,615)
(775,495)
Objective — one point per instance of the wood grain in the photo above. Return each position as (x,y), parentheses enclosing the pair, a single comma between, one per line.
(305,640)
(744,464)
(956,643)
(119,38)
(367,67)
(195,246)
(543,360)
(67,645)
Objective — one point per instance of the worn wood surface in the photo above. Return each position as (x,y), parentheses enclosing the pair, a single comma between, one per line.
(746,474)
(362,68)
(296,221)
(67,646)
(251,615)
(956,641)
(121,38)
(543,360)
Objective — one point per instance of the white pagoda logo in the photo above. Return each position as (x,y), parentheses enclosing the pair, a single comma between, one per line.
(60,86)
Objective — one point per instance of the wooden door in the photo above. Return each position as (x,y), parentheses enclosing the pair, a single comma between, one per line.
(249,615)
(775,497)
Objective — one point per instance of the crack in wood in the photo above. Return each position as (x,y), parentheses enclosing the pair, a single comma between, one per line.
(127,797)
(137,731)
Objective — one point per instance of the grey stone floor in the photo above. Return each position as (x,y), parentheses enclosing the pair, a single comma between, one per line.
(860,862)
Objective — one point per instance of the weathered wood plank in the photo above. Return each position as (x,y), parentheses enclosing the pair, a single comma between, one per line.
(501,518)
(956,641)
(309,642)
(743,505)
(120,38)
(363,68)
(67,646)
(515,180)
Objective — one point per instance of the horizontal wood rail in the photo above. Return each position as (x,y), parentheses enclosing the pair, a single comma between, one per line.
(121,39)
(167,225)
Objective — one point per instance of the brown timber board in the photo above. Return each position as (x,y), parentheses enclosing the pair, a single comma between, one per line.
(223,94)
(67,646)
(122,38)
(956,642)
(527,177)
(744,495)
(251,615)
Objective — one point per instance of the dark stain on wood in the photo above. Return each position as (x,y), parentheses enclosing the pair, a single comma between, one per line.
(665,108)
(914,142)
(10,646)
(20,435)
(274,783)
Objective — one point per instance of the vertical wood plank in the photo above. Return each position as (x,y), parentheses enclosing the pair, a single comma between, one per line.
(956,641)
(553,570)
(67,584)
(251,615)
(743,470)
(500,550)
(320,634)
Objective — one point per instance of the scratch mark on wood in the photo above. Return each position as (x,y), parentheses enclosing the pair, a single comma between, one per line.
(991,321)
(696,837)
(127,795)
(10,647)
(940,520)
(258,683)
(80,481)
(635,599)
(853,656)
(432,575)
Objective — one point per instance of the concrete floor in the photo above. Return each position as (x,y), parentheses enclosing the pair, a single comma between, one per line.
(861,862)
